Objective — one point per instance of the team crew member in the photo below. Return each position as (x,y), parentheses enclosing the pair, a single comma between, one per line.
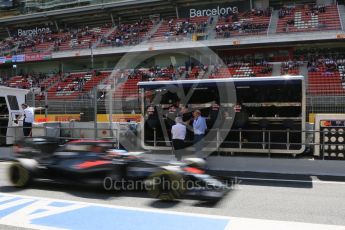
(29,117)
(199,128)
(178,132)
(216,116)
(238,108)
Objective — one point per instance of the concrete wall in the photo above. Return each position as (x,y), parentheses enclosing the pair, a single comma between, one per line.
(168,59)
(44,67)
(320,2)
(282,166)
(261,4)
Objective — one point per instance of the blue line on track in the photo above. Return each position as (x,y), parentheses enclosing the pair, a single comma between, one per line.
(103,217)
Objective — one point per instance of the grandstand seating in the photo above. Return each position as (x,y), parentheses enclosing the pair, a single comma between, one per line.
(244,71)
(169,28)
(50,81)
(324,82)
(246,24)
(289,70)
(321,84)
(321,81)
(128,89)
(79,38)
(75,85)
(303,20)
(18,82)
(33,80)
(83,39)
(129,34)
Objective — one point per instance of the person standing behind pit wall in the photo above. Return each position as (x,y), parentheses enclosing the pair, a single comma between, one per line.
(178,133)
(199,128)
(29,118)
(215,116)
(151,122)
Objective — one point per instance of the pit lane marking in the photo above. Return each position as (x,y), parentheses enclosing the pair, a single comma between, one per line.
(58,211)
(40,213)
(314,181)
(238,223)
(110,206)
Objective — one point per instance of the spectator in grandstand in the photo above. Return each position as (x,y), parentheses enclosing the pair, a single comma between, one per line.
(290,67)
(266,70)
(286,11)
(259,12)
(178,133)
(199,128)
(316,9)
(180,29)
(242,27)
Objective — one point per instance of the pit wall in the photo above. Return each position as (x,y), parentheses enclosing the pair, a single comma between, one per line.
(76,117)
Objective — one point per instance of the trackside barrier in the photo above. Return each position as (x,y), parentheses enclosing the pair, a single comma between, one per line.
(66,133)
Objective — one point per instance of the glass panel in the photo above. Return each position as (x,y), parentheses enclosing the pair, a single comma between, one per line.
(12,100)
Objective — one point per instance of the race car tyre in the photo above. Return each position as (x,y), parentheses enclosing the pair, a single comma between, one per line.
(165,185)
(19,176)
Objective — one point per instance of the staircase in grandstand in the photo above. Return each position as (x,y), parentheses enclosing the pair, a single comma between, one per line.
(303,20)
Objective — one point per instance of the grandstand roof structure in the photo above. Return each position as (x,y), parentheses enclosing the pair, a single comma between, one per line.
(129,9)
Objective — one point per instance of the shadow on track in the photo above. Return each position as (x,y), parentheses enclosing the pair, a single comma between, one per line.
(164,204)
(267,179)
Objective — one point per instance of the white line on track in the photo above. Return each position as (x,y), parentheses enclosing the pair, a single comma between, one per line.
(238,223)
(295,181)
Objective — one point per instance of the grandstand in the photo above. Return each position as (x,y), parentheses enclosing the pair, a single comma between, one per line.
(55,57)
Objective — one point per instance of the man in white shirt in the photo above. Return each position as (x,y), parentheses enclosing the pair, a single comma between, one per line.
(29,117)
(178,132)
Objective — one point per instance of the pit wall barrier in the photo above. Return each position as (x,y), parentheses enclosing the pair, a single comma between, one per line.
(105,117)
(77,117)
(80,130)
(277,165)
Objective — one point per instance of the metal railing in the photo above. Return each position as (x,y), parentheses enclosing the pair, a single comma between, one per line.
(217,144)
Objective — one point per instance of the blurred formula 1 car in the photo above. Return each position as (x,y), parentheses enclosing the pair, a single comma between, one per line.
(98,162)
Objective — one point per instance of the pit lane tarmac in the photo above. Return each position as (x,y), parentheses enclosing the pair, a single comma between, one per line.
(258,201)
